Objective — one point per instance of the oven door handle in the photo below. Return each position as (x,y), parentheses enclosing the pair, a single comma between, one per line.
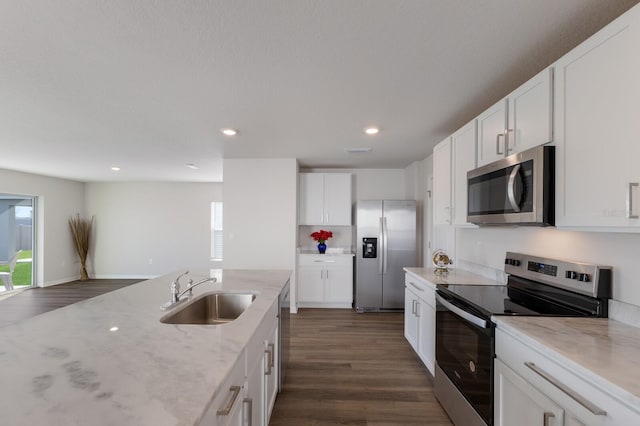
(461,312)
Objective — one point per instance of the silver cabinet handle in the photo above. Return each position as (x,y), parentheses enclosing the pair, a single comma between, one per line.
(272,347)
(498,152)
(630,214)
(324,261)
(413,306)
(547,418)
(235,391)
(417,307)
(416,287)
(511,192)
(249,402)
(594,409)
(270,359)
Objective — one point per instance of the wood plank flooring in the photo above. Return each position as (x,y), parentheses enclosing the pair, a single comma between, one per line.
(35,301)
(354,369)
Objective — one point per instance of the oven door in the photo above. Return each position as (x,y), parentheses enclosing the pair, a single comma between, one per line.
(465,351)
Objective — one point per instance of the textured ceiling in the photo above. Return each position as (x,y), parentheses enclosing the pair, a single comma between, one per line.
(147,85)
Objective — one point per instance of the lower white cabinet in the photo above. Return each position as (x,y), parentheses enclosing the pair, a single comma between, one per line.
(420,319)
(325,281)
(248,395)
(532,388)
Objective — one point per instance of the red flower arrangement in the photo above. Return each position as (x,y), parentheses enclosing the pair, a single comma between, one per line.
(321,236)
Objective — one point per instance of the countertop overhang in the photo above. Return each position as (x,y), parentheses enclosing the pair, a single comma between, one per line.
(71,366)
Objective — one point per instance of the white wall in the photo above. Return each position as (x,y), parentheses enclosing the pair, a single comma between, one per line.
(487,246)
(416,189)
(57,201)
(260,213)
(146,229)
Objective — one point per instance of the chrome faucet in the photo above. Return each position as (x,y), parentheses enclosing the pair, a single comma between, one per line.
(176,294)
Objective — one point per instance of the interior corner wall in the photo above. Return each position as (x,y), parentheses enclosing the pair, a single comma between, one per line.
(147,229)
(57,200)
(260,213)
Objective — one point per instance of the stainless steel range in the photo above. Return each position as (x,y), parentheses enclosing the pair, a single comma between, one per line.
(465,333)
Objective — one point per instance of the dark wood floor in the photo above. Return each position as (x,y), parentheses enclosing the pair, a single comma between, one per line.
(35,301)
(354,369)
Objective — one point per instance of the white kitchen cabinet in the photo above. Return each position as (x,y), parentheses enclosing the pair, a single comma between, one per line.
(491,133)
(420,319)
(517,402)
(325,199)
(262,370)
(522,120)
(529,382)
(228,407)
(325,281)
(442,183)
(597,130)
(463,148)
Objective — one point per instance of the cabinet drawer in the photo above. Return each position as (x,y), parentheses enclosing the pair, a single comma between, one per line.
(325,261)
(229,397)
(422,289)
(532,365)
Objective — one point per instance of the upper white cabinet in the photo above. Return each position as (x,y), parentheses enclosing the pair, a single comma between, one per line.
(325,199)
(442,183)
(522,120)
(598,130)
(452,159)
(463,150)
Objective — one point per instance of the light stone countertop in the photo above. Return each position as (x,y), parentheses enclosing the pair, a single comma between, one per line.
(66,367)
(455,276)
(604,352)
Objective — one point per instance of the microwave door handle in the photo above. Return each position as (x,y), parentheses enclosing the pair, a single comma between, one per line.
(462,313)
(511,193)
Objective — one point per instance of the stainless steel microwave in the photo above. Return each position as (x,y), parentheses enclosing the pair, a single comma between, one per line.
(515,190)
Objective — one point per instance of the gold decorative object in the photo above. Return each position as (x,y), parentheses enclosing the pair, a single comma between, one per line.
(441,262)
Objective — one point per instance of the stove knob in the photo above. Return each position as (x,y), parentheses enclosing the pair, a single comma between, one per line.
(585,278)
(512,262)
(507,261)
(572,275)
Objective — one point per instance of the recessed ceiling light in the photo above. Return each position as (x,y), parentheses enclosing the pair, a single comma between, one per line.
(115,168)
(229,132)
(192,166)
(371,130)
(363,150)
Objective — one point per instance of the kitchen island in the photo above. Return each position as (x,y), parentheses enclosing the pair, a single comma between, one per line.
(109,361)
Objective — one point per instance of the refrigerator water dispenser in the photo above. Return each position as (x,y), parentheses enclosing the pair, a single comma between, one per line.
(369,248)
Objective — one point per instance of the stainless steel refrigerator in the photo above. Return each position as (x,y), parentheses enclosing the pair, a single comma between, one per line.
(386,243)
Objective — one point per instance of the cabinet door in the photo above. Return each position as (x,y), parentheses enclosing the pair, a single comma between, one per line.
(410,318)
(254,399)
(270,374)
(427,334)
(530,113)
(339,284)
(516,402)
(464,159)
(491,133)
(598,135)
(442,183)
(310,284)
(337,199)
(311,203)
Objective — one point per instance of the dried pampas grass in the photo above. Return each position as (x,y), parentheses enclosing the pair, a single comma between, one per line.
(81,230)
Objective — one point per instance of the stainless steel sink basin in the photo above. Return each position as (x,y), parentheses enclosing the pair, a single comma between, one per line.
(210,308)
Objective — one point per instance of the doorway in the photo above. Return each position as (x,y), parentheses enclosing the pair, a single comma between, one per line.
(17,226)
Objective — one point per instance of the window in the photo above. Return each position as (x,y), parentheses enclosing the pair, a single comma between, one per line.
(216,231)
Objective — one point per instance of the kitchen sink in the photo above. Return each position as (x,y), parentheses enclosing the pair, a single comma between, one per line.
(211,308)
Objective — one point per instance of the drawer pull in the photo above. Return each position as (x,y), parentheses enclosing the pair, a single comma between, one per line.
(594,409)
(415,286)
(235,390)
(249,402)
(546,419)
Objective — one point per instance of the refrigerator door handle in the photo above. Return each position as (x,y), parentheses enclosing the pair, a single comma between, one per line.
(380,252)
(384,245)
